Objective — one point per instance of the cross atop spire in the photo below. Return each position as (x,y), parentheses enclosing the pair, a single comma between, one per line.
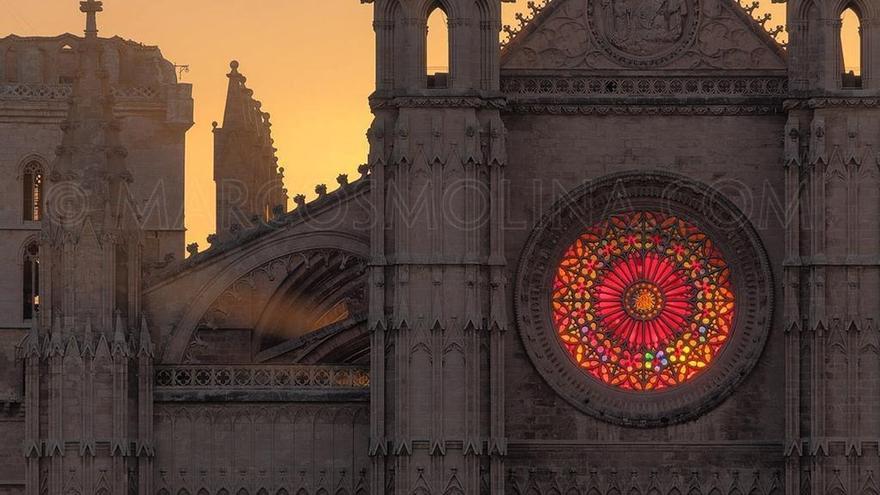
(91,9)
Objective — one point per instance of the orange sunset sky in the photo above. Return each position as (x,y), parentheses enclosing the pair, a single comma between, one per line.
(309,62)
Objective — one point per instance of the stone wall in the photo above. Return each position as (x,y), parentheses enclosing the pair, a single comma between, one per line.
(250,448)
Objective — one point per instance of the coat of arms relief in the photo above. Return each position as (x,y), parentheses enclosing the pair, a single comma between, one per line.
(644,26)
(643,32)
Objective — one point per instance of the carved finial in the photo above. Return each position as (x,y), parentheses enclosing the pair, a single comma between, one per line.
(321,190)
(146,344)
(212,239)
(234,66)
(300,200)
(33,346)
(91,8)
(193,249)
(119,330)
(342,180)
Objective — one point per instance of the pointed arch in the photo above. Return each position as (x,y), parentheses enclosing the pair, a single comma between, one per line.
(32,175)
(438,46)
(852,47)
(66,63)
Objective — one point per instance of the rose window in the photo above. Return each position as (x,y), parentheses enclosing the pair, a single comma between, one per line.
(643,301)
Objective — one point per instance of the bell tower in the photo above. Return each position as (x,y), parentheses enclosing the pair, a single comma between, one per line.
(437,281)
(823,56)
(88,357)
(831,273)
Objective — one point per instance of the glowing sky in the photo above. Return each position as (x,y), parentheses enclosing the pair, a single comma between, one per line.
(309,62)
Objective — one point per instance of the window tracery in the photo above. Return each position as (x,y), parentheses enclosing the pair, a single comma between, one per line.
(32,192)
(643,301)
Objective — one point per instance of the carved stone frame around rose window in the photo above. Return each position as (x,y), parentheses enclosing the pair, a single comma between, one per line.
(705,208)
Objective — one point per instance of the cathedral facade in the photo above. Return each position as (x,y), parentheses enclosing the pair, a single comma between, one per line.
(633,249)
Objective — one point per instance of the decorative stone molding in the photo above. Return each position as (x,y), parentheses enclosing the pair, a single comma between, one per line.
(841,102)
(625,110)
(437,102)
(578,480)
(679,87)
(263,376)
(25,91)
(42,92)
(678,195)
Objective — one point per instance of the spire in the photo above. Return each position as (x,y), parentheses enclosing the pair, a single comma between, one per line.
(91,152)
(91,8)
(237,98)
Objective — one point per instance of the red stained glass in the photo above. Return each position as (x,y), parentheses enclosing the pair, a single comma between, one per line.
(643,301)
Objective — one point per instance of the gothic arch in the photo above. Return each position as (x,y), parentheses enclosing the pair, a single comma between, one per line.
(33,158)
(865,10)
(241,262)
(809,10)
(426,7)
(32,178)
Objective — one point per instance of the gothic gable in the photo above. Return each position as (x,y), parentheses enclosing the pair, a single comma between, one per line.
(643,35)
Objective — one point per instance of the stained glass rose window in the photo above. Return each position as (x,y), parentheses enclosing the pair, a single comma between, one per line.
(643,301)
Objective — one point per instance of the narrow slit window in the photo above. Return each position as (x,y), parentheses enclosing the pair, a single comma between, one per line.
(32,192)
(438,49)
(31,281)
(851,48)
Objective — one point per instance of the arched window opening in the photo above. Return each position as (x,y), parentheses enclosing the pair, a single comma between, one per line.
(851,48)
(438,49)
(66,64)
(31,281)
(32,192)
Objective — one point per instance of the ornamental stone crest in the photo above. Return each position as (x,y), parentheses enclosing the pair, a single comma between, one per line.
(643,32)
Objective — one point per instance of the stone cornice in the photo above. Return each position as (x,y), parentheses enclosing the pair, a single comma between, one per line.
(438,101)
(666,109)
(833,102)
(678,86)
